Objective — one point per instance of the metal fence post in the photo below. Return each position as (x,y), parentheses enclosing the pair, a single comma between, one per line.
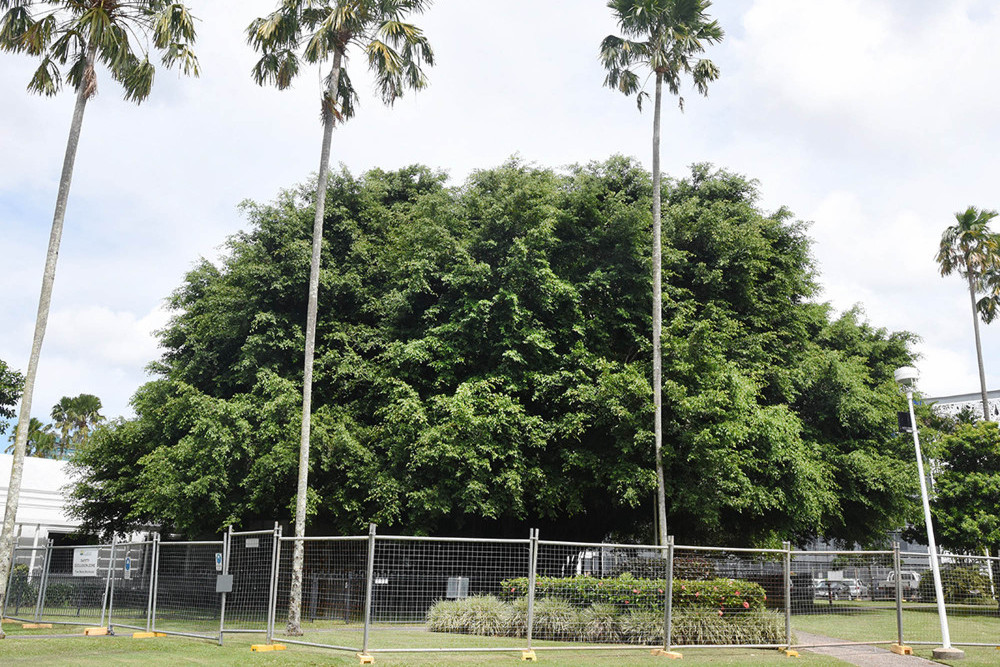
(899,593)
(532,578)
(369,583)
(787,546)
(154,576)
(107,581)
(668,595)
(43,584)
(226,545)
(272,601)
(10,583)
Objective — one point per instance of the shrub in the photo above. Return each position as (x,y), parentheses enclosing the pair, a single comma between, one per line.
(703,626)
(626,592)
(477,615)
(961,584)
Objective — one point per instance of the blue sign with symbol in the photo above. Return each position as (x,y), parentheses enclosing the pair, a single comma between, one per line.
(218,562)
(128,567)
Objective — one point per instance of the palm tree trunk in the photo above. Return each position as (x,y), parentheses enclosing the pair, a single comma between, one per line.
(979,348)
(298,555)
(661,496)
(41,320)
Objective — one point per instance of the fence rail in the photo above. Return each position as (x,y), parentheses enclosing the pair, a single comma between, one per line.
(389,594)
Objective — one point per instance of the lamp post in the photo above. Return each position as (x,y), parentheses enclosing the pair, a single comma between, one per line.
(906,377)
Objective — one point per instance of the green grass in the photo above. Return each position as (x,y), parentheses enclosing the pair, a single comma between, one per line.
(19,649)
(920,623)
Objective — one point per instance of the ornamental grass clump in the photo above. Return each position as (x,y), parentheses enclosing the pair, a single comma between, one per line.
(642,627)
(556,619)
(477,615)
(600,623)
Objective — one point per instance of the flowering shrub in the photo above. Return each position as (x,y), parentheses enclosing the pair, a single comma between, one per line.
(625,592)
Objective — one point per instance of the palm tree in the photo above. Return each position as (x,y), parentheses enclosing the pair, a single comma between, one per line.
(86,415)
(41,440)
(64,419)
(971,249)
(396,51)
(665,37)
(71,37)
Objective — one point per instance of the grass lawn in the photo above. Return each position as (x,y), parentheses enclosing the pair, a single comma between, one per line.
(920,623)
(18,649)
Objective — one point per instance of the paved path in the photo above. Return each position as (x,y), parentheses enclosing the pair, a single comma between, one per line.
(863,656)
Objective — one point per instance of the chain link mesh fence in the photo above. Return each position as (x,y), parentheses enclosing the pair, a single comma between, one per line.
(25,583)
(185,600)
(131,585)
(75,585)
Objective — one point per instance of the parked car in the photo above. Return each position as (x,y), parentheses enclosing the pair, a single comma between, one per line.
(830,589)
(856,589)
(909,584)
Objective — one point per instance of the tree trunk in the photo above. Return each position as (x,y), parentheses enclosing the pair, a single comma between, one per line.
(298,555)
(661,496)
(41,320)
(979,348)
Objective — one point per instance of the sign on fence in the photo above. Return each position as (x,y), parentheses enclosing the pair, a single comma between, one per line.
(128,567)
(85,562)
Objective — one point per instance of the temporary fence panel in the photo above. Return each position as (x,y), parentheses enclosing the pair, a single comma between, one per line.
(250,559)
(131,585)
(591,595)
(25,583)
(422,590)
(844,597)
(185,599)
(332,603)
(969,595)
(76,584)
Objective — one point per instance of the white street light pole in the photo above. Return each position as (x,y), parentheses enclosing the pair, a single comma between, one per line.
(906,377)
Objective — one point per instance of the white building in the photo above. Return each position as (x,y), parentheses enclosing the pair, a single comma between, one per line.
(41,513)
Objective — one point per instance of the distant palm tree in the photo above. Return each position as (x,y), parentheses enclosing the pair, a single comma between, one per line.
(87,415)
(395,51)
(64,418)
(665,37)
(41,440)
(971,249)
(76,35)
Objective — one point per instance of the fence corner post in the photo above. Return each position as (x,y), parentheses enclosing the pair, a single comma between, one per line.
(369,584)
(787,546)
(272,602)
(227,539)
(109,586)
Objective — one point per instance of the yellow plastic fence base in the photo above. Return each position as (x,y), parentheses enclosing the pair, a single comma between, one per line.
(366,659)
(267,647)
(529,656)
(670,655)
(901,650)
(93,632)
(790,653)
(147,635)
(36,626)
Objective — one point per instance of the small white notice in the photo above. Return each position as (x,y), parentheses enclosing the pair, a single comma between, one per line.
(218,562)
(253,542)
(85,562)
(128,567)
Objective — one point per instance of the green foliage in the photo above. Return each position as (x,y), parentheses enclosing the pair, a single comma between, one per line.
(966,505)
(962,584)
(41,440)
(603,623)
(627,592)
(11,384)
(69,38)
(481,366)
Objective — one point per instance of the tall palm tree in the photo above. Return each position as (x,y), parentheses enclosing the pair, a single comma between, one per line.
(71,37)
(86,415)
(969,248)
(396,51)
(666,38)
(64,419)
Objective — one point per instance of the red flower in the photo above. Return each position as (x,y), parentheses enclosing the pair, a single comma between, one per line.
(626,601)
(635,591)
(660,589)
(737,593)
(697,593)
(720,612)
(512,589)
(746,605)
(765,596)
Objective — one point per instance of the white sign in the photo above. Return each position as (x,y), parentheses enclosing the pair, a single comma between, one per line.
(218,562)
(85,562)
(253,542)
(128,567)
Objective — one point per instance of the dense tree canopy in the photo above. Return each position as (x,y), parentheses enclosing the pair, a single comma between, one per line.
(11,384)
(482,364)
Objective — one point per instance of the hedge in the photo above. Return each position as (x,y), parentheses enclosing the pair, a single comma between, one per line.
(627,592)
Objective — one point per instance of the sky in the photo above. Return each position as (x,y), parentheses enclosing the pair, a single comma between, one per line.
(872,120)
